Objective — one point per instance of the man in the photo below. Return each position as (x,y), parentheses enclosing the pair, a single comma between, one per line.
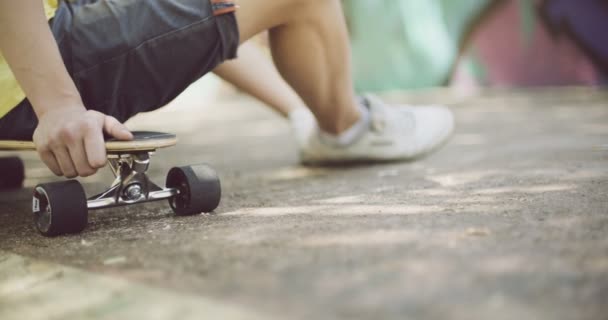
(101,62)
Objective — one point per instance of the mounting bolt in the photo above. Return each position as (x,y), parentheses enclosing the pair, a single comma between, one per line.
(133,192)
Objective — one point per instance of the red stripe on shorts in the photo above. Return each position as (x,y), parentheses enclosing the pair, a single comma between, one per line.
(223,6)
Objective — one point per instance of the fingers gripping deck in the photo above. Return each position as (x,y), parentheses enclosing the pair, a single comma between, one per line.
(142,141)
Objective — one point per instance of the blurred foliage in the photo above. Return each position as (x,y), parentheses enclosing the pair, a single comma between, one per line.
(401,44)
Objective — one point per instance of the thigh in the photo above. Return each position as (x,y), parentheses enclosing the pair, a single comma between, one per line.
(130,56)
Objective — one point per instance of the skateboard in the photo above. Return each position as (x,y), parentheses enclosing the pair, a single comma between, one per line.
(62,207)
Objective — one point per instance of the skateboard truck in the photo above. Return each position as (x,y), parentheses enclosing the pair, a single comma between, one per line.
(132,184)
(62,207)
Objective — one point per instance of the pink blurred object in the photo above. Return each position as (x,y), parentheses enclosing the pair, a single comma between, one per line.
(510,58)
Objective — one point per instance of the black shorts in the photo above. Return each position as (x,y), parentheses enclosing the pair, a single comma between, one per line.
(133,56)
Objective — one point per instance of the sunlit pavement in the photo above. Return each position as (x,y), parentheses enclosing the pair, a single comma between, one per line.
(508,221)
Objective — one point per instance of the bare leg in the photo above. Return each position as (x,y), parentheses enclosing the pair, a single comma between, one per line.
(310,47)
(254,73)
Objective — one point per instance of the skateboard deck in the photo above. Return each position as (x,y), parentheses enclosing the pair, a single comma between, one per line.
(142,141)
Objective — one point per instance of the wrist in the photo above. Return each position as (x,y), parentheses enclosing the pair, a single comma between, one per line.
(58,104)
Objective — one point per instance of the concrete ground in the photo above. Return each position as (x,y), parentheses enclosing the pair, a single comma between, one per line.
(508,221)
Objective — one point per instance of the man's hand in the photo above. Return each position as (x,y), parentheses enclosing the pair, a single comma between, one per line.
(70,140)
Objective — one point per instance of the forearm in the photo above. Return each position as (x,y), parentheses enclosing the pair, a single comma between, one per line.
(30,49)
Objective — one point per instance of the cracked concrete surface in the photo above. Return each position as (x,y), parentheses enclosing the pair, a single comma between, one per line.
(509,220)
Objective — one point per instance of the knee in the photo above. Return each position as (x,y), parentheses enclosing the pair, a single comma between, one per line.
(303,8)
(317,4)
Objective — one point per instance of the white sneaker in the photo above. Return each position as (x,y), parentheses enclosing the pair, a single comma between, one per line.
(394,133)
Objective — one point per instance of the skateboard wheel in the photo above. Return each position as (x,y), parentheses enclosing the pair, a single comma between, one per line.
(199,189)
(12,173)
(60,208)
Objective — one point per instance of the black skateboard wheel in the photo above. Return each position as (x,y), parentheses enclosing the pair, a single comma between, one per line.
(12,173)
(60,208)
(199,189)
